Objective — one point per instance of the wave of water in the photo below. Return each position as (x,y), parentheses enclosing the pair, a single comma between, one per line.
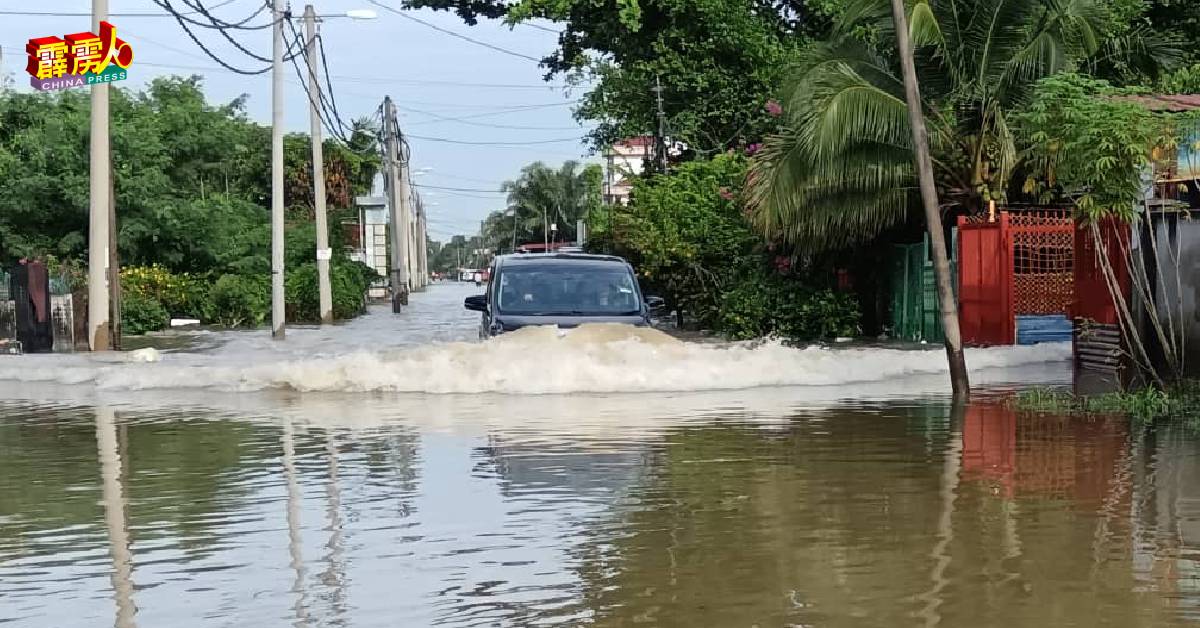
(592,358)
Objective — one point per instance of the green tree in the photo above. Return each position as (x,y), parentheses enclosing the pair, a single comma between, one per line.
(542,197)
(840,168)
(717,60)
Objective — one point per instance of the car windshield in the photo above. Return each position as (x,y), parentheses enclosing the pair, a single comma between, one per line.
(567,289)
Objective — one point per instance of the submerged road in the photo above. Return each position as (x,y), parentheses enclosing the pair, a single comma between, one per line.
(393,471)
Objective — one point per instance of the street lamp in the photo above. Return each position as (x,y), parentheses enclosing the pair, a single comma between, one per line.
(324,254)
(354,14)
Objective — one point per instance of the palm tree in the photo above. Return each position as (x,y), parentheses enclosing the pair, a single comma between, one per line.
(542,196)
(841,168)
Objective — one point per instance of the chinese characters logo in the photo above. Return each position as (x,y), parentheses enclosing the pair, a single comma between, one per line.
(79,59)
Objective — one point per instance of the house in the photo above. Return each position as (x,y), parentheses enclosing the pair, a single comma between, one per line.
(1160,252)
(372,248)
(623,161)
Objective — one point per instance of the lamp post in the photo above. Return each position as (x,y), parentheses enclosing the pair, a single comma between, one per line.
(324,254)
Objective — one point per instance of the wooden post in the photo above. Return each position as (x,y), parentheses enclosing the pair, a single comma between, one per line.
(959,380)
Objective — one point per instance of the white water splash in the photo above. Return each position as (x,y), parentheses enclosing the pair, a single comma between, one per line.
(591,359)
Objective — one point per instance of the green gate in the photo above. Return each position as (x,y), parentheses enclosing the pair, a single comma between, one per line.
(915,314)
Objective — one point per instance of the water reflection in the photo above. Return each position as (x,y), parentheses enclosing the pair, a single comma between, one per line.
(112,475)
(896,513)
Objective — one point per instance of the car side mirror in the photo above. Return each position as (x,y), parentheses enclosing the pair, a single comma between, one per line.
(655,304)
(477,303)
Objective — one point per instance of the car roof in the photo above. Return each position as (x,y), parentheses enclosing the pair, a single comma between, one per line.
(524,259)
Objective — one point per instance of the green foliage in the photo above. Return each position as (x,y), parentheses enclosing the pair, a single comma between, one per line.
(348,282)
(840,169)
(241,300)
(192,179)
(181,295)
(688,237)
(1088,147)
(770,305)
(686,234)
(141,313)
(717,60)
(540,197)
(1143,403)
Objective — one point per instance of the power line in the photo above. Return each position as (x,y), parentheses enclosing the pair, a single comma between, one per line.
(328,83)
(452,33)
(453,189)
(329,120)
(474,143)
(121,15)
(166,4)
(213,56)
(463,120)
(213,21)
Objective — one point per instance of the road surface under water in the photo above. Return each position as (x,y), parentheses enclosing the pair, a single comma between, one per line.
(393,472)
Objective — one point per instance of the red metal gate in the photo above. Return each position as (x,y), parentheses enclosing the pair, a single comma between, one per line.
(1021,264)
(985,282)
(1042,243)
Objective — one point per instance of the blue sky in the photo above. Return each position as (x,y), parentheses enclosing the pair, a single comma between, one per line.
(424,71)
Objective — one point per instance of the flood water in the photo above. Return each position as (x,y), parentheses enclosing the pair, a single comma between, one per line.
(395,472)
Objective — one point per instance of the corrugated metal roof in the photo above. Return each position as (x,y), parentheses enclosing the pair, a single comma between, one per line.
(1174,103)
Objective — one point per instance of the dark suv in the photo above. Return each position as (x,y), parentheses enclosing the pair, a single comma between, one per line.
(562,289)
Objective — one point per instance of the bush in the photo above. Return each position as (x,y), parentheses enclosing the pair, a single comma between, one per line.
(765,304)
(182,295)
(241,300)
(348,282)
(141,313)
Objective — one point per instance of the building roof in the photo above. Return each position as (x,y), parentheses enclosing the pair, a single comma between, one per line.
(641,140)
(1173,103)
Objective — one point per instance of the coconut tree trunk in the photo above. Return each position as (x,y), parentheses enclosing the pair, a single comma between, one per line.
(959,381)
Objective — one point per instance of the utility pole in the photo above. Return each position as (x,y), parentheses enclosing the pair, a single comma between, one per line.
(959,379)
(98,206)
(662,126)
(325,294)
(278,15)
(397,190)
(114,260)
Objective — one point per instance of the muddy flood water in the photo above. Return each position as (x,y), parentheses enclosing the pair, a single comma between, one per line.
(396,472)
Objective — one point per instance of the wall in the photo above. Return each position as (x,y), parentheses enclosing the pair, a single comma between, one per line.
(1181,279)
(62,317)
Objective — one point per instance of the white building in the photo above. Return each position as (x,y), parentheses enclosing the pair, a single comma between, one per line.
(625,160)
(373,229)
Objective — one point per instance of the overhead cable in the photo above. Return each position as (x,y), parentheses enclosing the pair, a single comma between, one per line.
(451,33)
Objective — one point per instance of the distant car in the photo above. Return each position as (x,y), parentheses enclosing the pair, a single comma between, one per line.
(561,289)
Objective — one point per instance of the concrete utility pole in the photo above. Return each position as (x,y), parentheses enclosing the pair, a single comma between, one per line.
(325,294)
(397,190)
(114,261)
(662,126)
(959,380)
(98,206)
(277,295)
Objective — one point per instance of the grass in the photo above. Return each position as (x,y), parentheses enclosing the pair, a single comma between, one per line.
(1144,403)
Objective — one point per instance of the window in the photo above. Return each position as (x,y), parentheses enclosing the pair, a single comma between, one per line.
(567,289)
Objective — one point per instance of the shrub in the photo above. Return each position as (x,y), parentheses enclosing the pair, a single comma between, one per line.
(181,295)
(348,282)
(141,313)
(241,300)
(766,304)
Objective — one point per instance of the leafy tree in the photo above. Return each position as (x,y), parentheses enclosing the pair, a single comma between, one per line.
(717,60)
(1094,151)
(839,170)
(686,233)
